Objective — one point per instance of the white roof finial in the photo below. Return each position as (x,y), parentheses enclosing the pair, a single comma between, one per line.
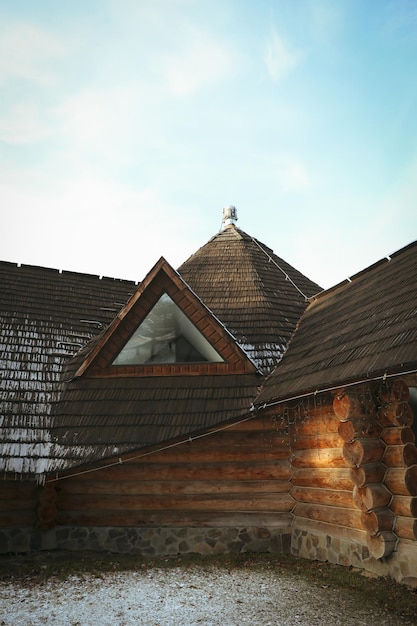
(229,216)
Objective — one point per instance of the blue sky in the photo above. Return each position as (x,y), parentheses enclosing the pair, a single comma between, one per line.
(126,126)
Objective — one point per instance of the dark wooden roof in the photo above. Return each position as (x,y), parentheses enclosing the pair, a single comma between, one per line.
(98,418)
(361,329)
(51,323)
(61,406)
(46,316)
(106,410)
(257,295)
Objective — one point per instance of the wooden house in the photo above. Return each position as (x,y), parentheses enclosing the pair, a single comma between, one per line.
(347,388)
(227,406)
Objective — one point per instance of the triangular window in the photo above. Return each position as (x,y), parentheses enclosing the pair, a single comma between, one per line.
(166,335)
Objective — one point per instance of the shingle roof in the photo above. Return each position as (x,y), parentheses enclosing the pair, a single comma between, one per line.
(45,317)
(363,328)
(106,409)
(99,418)
(50,319)
(256,294)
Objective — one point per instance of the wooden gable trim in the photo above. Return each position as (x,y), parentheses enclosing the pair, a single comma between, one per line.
(164,279)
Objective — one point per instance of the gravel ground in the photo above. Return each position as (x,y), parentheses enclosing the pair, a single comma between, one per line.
(184,596)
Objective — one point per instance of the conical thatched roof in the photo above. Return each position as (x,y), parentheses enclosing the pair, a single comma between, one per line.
(257,295)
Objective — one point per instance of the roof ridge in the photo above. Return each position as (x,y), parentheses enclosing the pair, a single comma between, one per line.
(354,277)
(63,272)
(287,276)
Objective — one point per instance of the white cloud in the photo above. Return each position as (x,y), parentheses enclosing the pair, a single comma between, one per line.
(88,116)
(202,61)
(279,59)
(342,235)
(91,224)
(112,127)
(288,172)
(293,175)
(28,52)
(326,21)
(22,124)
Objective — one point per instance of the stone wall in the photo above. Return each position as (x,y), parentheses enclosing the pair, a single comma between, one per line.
(400,565)
(148,541)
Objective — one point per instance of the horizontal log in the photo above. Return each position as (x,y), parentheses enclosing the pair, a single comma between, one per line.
(406,527)
(367,474)
(19,518)
(395,414)
(328,497)
(249,444)
(190,453)
(331,457)
(406,506)
(313,426)
(316,441)
(17,490)
(357,428)
(317,407)
(232,439)
(398,390)
(175,519)
(335,478)
(249,502)
(172,487)
(337,516)
(377,521)
(398,435)
(135,470)
(19,505)
(47,493)
(381,545)
(347,405)
(253,448)
(371,497)
(363,451)
(262,423)
(403,481)
(400,456)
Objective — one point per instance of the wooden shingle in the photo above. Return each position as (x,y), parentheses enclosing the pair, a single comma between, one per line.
(257,295)
(46,316)
(105,410)
(366,327)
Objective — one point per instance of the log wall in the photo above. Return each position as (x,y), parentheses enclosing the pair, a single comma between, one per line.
(342,467)
(321,482)
(18,503)
(396,416)
(379,446)
(238,476)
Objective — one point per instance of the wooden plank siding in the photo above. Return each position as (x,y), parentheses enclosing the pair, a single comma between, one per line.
(237,476)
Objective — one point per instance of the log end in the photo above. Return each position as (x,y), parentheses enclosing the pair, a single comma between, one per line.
(382,545)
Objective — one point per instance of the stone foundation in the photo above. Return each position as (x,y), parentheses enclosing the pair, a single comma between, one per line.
(148,541)
(400,565)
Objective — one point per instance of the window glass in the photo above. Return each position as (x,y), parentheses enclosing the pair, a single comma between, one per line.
(166,335)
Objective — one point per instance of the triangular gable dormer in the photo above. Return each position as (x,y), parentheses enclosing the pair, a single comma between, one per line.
(165,329)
